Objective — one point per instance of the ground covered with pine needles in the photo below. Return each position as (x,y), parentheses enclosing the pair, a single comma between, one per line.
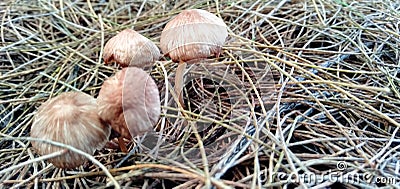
(317,81)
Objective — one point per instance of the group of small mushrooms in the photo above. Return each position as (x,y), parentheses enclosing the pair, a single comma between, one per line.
(129,101)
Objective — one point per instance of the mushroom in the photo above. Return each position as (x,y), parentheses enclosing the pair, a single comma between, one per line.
(129,48)
(192,35)
(70,118)
(130,103)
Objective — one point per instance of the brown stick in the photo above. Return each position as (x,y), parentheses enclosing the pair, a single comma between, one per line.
(122,145)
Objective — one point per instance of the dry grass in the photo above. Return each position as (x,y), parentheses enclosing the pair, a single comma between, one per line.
(318,81)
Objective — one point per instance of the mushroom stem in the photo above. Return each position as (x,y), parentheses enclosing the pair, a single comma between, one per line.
(179,82)
(122,145)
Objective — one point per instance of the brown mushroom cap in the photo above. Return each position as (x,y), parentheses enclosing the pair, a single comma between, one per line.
(70,118)
(193,34)
(129,48)
(130,102)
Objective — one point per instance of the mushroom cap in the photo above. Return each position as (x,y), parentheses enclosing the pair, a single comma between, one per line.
(130,102)
(193,34)
(129,48)
(70,118)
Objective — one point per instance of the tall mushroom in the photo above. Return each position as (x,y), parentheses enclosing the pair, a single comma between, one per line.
(193,34)
(130,103)
(129,48)
(70,118)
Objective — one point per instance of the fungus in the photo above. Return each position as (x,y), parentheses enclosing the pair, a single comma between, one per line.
(192,35)
(129,48)
(70,118)
(130,103)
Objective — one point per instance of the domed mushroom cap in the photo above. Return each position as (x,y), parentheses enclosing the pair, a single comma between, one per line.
(70,118)
(129,48)
(193,34)
(130,102)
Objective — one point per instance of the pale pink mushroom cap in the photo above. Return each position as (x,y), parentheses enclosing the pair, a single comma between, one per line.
(70,118)
(193,34)
(130,102)
(129,48)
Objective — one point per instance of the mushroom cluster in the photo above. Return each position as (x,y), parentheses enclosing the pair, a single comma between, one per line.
(189,37)
(129,101)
